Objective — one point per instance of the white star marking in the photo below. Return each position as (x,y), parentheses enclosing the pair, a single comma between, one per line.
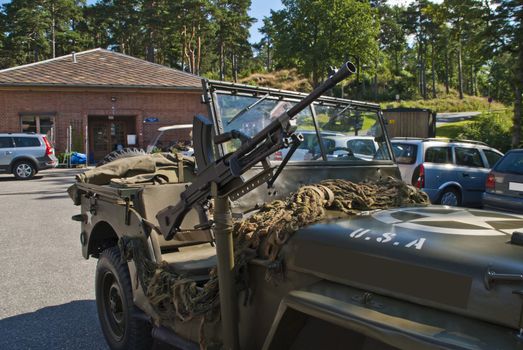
(460,216)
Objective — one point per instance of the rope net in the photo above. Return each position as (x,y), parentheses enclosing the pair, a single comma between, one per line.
(262,235)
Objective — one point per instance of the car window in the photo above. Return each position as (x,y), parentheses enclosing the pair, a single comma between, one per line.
(405,153)
(440,155)
(492,157)
(468,157)
(511,163)
(23,141)
(365,147)
(6,142)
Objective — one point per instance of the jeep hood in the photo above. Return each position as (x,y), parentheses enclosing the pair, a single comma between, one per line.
(435,256)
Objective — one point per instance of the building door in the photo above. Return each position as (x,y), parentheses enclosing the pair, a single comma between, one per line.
(106,136)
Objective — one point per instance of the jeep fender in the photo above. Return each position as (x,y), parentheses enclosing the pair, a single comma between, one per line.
(105,222)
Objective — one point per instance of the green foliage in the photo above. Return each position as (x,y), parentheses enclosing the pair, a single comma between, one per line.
(62,157)
(492,128)
(35,30)
(312,35)
(452,130)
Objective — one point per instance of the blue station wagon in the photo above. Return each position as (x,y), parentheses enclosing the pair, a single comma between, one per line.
(451,172)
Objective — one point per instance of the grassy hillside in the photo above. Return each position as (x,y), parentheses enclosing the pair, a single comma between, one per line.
(286,79)
(449,103)
(452,130)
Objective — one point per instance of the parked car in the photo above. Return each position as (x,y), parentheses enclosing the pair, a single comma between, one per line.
(451,172)
(504,184)
(187,151)
(24,155)
(338,146)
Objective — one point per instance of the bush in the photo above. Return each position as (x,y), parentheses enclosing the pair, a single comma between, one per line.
(491,128)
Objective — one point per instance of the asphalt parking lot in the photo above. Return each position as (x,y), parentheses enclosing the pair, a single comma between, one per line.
(46,286)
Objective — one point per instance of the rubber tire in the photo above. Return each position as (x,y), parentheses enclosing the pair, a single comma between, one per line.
(137,333)
(27,163)
(450,190)
(123,153)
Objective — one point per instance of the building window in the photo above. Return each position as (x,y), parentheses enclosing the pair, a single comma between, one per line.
(40,124)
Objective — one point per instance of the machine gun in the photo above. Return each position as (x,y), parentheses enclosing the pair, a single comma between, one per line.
(226,172)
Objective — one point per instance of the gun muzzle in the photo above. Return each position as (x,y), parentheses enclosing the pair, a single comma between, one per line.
(347,69)
(342,73)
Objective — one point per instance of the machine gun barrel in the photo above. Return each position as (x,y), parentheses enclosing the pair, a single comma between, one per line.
(230,167)
(342,73)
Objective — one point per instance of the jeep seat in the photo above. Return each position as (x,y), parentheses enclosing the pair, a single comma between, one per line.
(191,252)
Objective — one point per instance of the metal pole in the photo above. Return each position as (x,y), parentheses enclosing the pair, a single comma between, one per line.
(86,146)
(225,255)
(67,149)
(70,145)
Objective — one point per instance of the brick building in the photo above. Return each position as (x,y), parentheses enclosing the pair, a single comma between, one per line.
(102,98)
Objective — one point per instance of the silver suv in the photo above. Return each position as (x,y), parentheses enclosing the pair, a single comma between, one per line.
(25,154)
(451,172)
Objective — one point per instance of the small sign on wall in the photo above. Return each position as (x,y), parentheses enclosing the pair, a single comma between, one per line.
(151,120)
(131,139)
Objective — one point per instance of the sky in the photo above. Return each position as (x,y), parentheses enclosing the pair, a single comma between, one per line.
(260,9)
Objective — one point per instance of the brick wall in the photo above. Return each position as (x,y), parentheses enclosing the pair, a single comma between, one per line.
(74,107)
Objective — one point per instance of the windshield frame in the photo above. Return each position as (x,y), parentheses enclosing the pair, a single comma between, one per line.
(214,88)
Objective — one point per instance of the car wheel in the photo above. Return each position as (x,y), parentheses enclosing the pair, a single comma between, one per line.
(450,196)
(114,301)
(24,170)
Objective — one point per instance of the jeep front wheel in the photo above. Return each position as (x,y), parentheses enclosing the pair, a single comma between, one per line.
(115,305)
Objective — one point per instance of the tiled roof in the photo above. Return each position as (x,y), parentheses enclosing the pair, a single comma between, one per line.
(98,68)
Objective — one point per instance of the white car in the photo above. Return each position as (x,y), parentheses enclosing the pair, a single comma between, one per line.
(188,151)
(337,146)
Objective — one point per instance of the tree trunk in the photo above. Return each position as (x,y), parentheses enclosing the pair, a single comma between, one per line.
(397,63)
(376,81)
(53,30)
(423,74)
(476,89)
(472,81)
(222,61)
(433,58)
(234,66)
(184,45)
(199,54)
(460,71)
(447,87)
(150,48)
(420,76)
(268,57)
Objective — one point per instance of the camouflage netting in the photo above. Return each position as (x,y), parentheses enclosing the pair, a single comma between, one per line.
(262,236)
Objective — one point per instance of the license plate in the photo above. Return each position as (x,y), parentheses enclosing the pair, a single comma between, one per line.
(515,186)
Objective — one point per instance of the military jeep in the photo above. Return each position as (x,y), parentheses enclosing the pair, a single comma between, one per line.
(411,277)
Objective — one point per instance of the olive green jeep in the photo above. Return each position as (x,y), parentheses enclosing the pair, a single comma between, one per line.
(285,233)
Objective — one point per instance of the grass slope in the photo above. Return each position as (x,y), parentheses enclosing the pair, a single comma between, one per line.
(449,103)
